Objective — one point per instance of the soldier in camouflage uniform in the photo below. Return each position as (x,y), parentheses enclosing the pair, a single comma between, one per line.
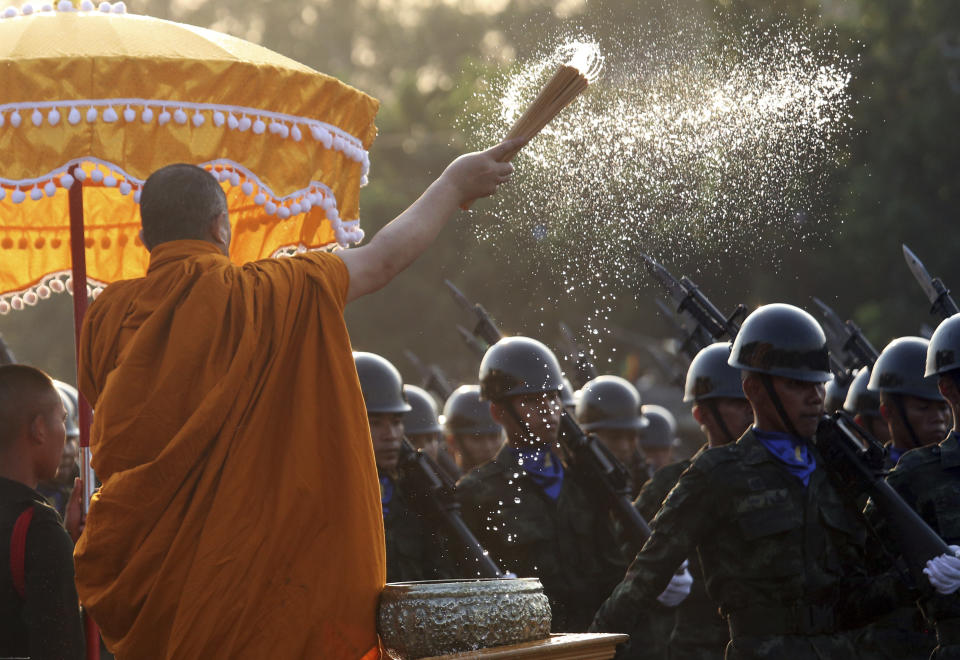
(472,435)
(915,415)
(781,548)
(928,479)
(609,408)
(533,513)
(415,550)
(724,414)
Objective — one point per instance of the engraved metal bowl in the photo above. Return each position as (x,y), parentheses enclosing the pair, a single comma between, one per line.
(421,619)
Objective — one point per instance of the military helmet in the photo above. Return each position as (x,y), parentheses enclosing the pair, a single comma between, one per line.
(943,353)
(782,340)
(860,400)
(381,384)
(662,429)
(900,369)
(710,377)
(835,395)
(465,414)
(518,365)
(71,401)
(422,416)
(609,402)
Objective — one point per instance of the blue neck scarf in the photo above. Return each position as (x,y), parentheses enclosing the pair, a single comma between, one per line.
(895,453)
(386,493)
(792,452)
(543,467)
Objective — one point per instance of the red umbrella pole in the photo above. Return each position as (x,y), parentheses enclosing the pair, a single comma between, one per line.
(78,268)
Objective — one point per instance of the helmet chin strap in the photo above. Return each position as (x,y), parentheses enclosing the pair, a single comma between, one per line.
(767,381)
(714,410)
(902,411)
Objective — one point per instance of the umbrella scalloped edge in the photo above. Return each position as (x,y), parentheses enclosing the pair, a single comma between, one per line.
(64,5)
(237,118)
(227,171)
(59,282)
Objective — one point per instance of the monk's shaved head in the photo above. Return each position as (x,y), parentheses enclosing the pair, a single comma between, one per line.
(180,202)
(25,392)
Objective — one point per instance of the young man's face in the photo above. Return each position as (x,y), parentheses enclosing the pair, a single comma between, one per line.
(52,425)
(386,431)
(428,442)
(475,449)
(929,419)
(538,414)
(802,401)
(622,443)
(736,415)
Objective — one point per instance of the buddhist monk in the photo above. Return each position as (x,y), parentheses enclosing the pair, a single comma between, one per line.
(239,517)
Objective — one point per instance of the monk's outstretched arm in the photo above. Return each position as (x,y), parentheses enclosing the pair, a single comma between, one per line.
(401,241)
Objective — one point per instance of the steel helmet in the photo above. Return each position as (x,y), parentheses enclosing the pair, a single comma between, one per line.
(662,429)
(860,400)
(381,384)
(943,353)
(71,401)
(900,370)
(465,414)
(518,365)
(609,402)
(710,377)
(782,340)
(835,395)
(422,416)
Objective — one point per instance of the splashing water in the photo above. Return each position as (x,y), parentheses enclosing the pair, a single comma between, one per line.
(683,147)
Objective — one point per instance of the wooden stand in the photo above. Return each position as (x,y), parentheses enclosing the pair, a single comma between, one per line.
(568,646)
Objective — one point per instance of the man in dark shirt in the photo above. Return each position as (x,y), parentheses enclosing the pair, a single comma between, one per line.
(43,622)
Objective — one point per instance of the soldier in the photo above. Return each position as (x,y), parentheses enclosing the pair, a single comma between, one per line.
(724,414)
(609,408)
(928,479)
(472,435)
(915,412)
(526,507)
(864,405)
(659,437)
(780,546)
(412,544)
(422,429)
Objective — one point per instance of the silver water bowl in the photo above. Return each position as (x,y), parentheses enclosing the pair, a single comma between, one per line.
(422,619)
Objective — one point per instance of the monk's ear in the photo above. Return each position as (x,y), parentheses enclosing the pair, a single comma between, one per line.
(37,429)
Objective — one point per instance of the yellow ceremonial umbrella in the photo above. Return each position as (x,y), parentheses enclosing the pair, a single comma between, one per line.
(92,100)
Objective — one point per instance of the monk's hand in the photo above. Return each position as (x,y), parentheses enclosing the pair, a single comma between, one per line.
(74,516)
(478,174)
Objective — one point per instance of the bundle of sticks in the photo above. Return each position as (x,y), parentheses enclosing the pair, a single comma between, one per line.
(566,84)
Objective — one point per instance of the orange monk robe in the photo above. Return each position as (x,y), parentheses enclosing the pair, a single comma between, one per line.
(240,514)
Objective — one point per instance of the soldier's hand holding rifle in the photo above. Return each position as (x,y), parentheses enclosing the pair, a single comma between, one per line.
(944,571)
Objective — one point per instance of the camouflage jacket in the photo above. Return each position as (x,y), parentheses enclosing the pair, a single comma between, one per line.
(568,543)
(928,479)
(416,549)
(767,545)
(699,630)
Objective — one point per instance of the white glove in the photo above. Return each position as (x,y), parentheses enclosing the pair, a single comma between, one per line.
(944,571)
(679,587)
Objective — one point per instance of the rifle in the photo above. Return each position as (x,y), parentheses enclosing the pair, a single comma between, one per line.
(937,293)
(485,328)
(433,491)
(847,339)
(584,367)
(599,468)
(666,362)
(856,459)
(710,323)
(6,355)
(432,377)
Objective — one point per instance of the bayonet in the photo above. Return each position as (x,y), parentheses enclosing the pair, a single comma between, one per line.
(933,287)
